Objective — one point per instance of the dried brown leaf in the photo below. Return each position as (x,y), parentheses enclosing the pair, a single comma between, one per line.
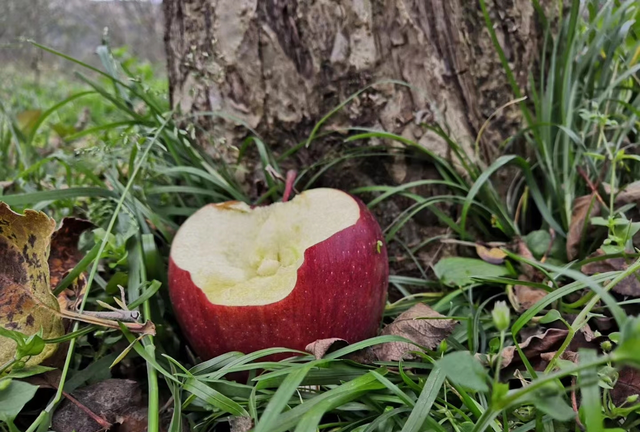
(364,356)
(115,400)
(26,302)
(629,286)
(566,355)
(534,345)
(584,208)
(527,296)
(523,250)
(494,255)
(64,248)
(135,421)
(630,194)
(425,332)
(323,346)
(28,119)
(71,298)
(628,384)
(586,333)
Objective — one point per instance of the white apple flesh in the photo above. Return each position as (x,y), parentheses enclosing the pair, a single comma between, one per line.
(284,275)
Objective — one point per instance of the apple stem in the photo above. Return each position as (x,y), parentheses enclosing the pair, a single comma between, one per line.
(288,185)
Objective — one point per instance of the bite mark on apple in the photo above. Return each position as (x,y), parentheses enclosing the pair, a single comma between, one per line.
(242,256)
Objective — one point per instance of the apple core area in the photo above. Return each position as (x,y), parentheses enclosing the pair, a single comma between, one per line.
(243,256)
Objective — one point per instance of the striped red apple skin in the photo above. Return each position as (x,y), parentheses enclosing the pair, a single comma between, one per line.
(340,292)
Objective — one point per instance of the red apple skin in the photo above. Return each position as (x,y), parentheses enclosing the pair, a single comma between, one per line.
(340,292)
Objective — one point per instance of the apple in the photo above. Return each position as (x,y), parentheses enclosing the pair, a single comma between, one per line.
(245,278)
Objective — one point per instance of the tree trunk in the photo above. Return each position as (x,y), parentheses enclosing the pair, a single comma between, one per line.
(280,65)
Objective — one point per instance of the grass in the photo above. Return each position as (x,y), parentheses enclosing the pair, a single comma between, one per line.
(137,175)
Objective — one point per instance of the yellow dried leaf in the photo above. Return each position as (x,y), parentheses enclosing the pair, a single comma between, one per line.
(28,119)
(26,302)
(492,255)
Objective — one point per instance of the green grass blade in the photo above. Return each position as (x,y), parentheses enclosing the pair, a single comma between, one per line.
(104,127)
(214,397)
(24,199)
(270,416)
(423,406)
(531,182)
(591,405)
(338,396)
(54,108)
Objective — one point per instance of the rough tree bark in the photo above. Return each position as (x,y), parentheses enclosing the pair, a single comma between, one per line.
(280,65)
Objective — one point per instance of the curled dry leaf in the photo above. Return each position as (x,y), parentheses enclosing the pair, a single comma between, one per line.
(628,384)
(323,346)
(28,119)
(64,248)
(629,286)
(540,349)
(523,250)
(364,356)
(571,356)
(629,195)
(418,325)
(114,400)
(64,256)
(26,302)
(493,255)
(71,298)
(585,335)
(534,345)
(527,296)
(584,208)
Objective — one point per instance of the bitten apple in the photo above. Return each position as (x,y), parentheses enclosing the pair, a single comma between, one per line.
(245,278)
